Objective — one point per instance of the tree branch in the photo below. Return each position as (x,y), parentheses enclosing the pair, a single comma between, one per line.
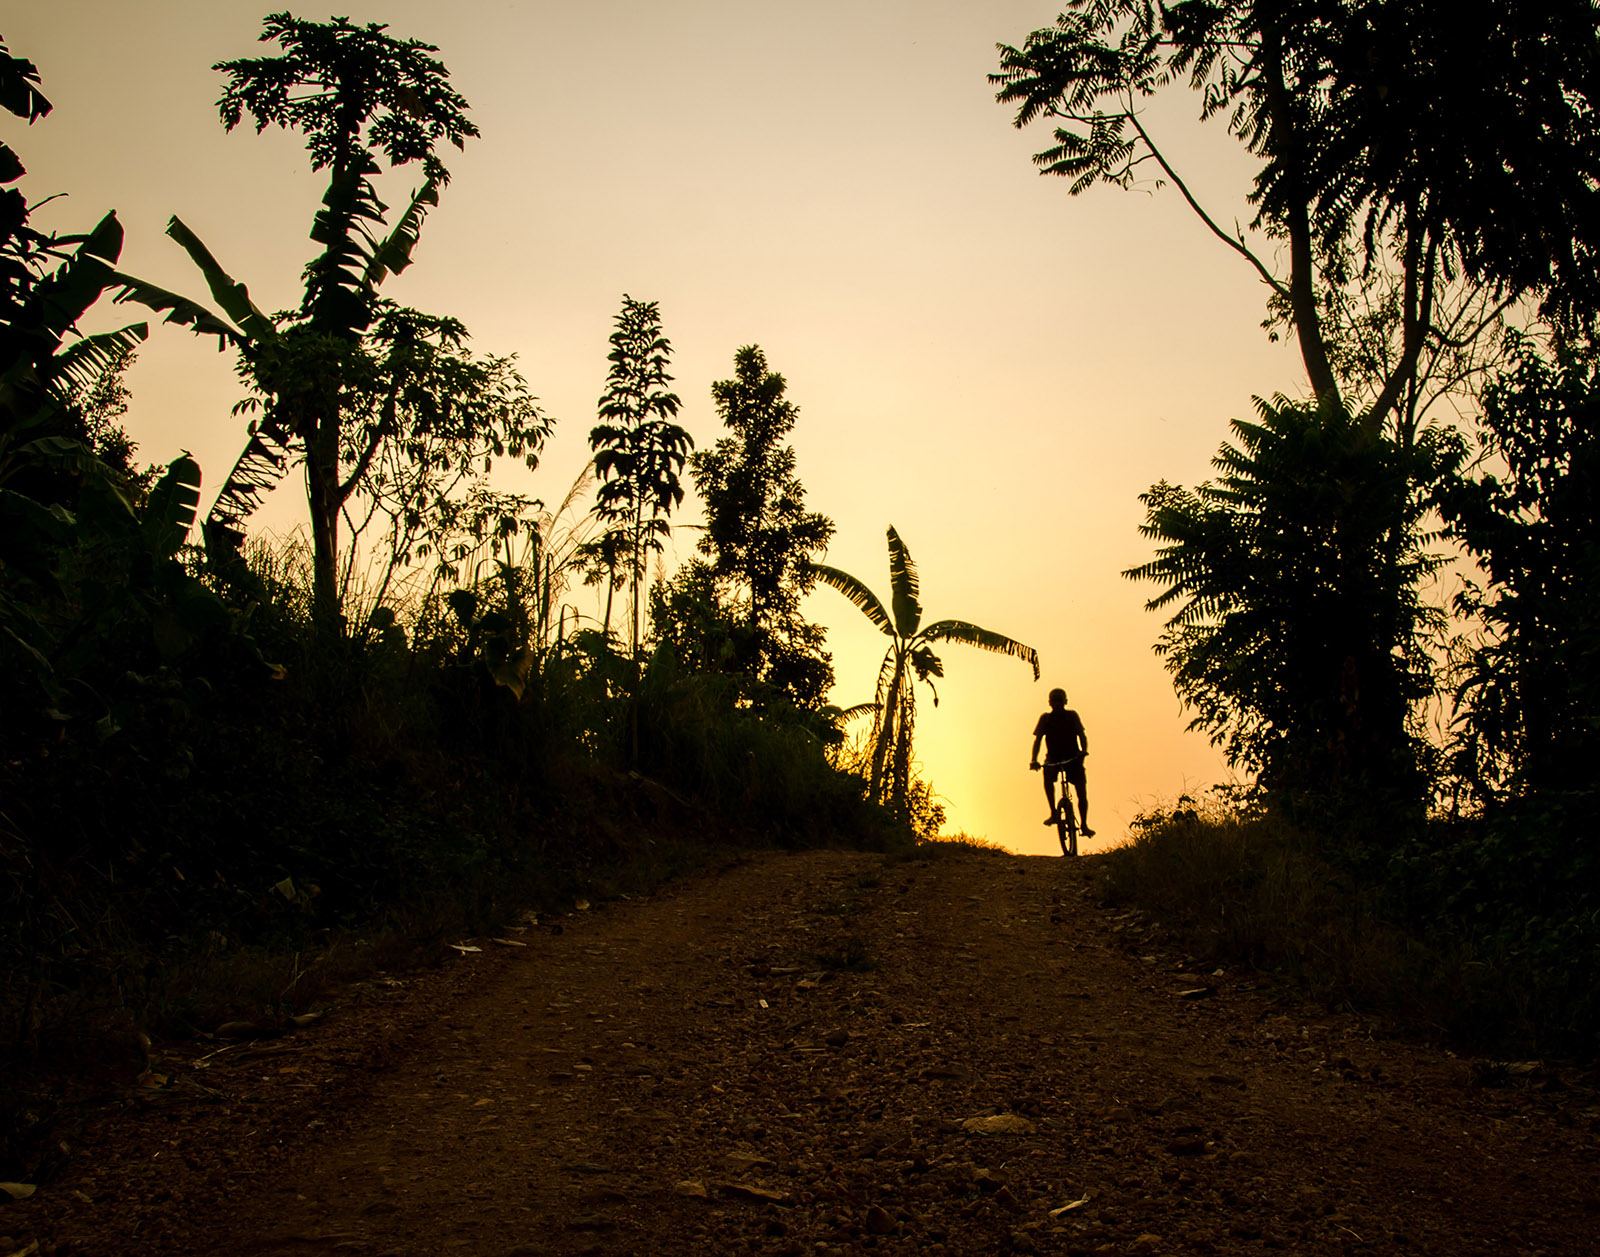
(1237,245)
(1464,342)
(1416,315)
(384,427)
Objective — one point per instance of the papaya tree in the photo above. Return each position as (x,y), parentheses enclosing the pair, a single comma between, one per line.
(349,376)
(908,659)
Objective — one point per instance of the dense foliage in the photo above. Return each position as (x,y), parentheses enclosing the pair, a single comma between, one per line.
(201,758)
(1298,634)
(1417,141)
(738,609)
(1429,171)
(391,416)
(1530,519)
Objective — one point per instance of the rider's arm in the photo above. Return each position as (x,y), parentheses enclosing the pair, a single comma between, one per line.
(1033,757)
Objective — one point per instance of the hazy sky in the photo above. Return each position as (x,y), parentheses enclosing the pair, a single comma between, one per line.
(992,366)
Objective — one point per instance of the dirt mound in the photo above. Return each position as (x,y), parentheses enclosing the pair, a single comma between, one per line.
(827,1053)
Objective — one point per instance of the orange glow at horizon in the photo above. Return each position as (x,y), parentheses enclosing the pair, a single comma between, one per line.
(995,368)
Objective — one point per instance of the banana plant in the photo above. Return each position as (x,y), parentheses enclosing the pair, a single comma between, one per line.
(909,659)
(269,346)
(88,583)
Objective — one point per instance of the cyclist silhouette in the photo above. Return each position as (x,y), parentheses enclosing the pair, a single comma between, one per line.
(1066,743)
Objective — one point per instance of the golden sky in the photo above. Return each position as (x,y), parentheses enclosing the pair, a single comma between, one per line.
(990,365)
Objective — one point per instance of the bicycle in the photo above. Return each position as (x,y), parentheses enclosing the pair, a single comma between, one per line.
(1066,818)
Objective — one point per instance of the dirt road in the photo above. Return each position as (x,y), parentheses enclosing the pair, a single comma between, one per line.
(829,1053)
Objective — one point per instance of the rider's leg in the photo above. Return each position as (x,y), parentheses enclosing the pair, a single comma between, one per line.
(1050,794)
(1082,786)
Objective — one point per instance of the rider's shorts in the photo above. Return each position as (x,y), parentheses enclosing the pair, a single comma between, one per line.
(1070,770)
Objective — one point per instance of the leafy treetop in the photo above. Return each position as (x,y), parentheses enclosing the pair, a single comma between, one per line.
(352,92)
(1440,135)
(335,80)
(758,531)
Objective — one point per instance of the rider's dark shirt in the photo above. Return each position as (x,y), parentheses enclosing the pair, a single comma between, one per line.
(1061,730)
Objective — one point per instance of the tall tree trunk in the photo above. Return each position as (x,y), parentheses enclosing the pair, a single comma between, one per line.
(321,434)
(636,572)
(1287,140)
(323,501)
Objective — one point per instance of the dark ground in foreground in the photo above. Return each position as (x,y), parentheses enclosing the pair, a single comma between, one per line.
(827,1053)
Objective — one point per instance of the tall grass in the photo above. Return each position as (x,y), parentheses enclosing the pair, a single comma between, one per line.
(1253,891)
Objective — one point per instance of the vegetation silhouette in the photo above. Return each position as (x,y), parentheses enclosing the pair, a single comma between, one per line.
(756,544)
(1298,631)
(186,823)
(1531,688)
(639,454)
(377,400)
(909,659)
(1399,145)
(1428,170)
(205,773)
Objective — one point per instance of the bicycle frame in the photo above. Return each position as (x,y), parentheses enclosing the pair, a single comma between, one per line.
(1066,817)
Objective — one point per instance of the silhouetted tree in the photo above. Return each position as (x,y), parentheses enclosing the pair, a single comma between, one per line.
(759,536)
(1532,688)
(1293,581)
(639,452)
(47,368)
(1426,164)
(908,660)
(1421,140)
(92,596)
(349,375)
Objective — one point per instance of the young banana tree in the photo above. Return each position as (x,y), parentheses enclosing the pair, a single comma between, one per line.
(909,659)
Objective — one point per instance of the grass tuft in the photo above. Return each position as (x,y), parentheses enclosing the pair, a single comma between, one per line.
(937,846)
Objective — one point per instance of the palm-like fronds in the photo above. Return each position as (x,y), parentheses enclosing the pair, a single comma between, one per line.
(256,472)
(180,310)
(904,587)
(1292,588)
(909,659)
(984,639)
(231,295)
(393,255)
(857,592)
(86,360)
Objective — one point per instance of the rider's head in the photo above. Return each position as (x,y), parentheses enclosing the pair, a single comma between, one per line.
(1058,698)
